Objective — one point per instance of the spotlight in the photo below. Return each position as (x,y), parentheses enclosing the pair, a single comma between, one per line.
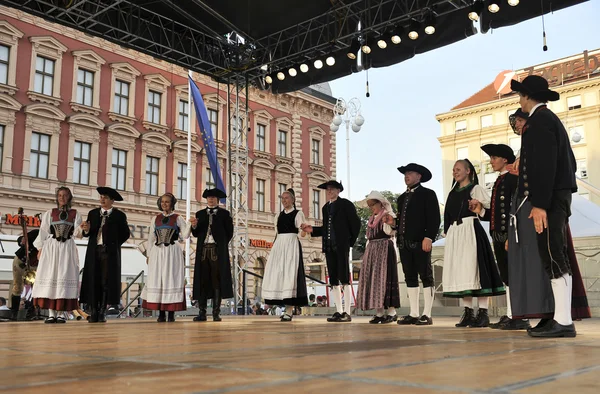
(476,9)
(413,33)
(366,48)
(268,79)
(396,35)
(430,24)
(381,43)
(280,76)
(354,47)
(513,3)
(318,64)
(292,71)
(493,7)
(330,60)
(304,67)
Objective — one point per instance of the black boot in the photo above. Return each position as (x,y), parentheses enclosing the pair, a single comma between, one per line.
(15,301)
(171,318)
(466,319)
(161,317)
(482,319)
(201,308)
(216,306)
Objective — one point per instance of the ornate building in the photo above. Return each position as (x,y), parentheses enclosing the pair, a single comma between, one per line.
(82,112)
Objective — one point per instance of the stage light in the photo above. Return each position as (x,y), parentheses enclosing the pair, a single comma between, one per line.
(330,60)
(513,3)
(304,67)
(353,49)
(280,76)
(366,48)
(396,35)
(268,79)
(318,64)
(430,24)
(476,9)
(381,43)
(413,33)
(292,71)
(493,7)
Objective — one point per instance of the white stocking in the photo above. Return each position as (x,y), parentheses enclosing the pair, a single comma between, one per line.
(562,288)
(483,302)
(391,311)
(51,313)
(468,302)
(348,299)
(413,298)
(379,312)
(336,291)
(428,295)
(508,308)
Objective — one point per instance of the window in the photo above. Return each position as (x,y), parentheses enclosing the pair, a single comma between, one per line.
(119,169)
(44,76)
(81,163)
(317,204)
(316,152)
(282,143)
(182,181)
(577,135)
(490,179)
(460,126)
(85,87)
(282,189)
(581,169)
(184,113)
(462,153)
(574,102)
(261,137)
(4,57)
(210,180)
(213,118)
(510,112)
(121,100)
(515,144)
(152,175)
(1,145)
(40,155)
(487,121)
(260,194)
(154,99)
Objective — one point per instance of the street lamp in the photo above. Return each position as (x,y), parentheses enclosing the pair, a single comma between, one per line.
(348,113)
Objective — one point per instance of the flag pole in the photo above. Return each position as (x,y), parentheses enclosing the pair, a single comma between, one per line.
(188,205)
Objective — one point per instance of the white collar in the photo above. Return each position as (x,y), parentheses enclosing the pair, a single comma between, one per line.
(503,172)
(102,210)
(209,207)
(163,213)
(534,108)
(288,210)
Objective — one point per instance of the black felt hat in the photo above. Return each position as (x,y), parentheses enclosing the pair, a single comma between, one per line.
(214,193)
(535,87)
(332,183)
(500,150)
(425,173)
(110,192)
(519,113)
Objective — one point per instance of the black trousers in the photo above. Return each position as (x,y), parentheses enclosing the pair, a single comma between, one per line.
(552,242)
(501,258)
(101,275)
(209,270)
(338,266)
(415,263)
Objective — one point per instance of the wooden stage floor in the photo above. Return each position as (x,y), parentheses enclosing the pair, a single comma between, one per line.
(263,355)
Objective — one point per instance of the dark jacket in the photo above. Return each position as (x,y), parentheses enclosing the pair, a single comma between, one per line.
(20,253)
(345,223)
(222,232)
(502,193)
(547,162)
(114,234)
(422,215)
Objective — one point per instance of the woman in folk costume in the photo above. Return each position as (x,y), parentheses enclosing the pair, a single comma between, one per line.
(57,278)
(378,281)
(165,289)
(533,297)
(284,282)
(469,266)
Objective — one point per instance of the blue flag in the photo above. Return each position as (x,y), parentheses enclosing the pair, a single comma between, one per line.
(207,137)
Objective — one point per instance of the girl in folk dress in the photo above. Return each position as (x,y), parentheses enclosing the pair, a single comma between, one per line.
(165,290)
(284,282)
(469,266)
(57,278)
(378,281)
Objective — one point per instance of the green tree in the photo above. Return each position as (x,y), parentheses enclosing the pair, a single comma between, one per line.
(364,214)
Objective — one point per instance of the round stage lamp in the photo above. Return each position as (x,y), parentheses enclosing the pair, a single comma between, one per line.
(513,3)
(292,71)
(304,67)
(366,49)
(318,64)
(280,76)
(330,61)
(493,7)
(268,79)
(381,43)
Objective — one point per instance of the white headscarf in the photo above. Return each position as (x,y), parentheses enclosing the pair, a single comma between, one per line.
(375,195)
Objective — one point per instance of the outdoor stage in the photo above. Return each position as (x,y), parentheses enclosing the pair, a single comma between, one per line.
(263,355)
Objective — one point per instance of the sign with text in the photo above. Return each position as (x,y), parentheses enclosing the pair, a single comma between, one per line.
(557,74)
(261,243)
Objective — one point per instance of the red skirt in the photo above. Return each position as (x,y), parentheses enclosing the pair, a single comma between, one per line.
(57,305)
(174,307)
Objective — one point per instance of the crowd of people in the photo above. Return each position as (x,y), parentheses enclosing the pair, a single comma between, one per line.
(528,213)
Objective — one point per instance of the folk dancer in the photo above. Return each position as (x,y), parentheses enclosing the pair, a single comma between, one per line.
(213,226)
(165,289)
(417,224)
(106,229)
(19,269)
(469,266)
(339,231)
(378,280)
(57,276)
(284,282)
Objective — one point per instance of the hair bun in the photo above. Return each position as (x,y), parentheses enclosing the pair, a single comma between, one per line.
(291,191)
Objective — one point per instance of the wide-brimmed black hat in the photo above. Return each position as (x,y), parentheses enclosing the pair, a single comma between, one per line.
(332,183)
(519,113)
(500,150)
(535,87)
(214,193)
(110,192)
(425,173)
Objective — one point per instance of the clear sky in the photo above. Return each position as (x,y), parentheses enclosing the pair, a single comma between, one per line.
(400,124)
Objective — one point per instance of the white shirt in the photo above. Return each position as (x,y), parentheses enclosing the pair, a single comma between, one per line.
(535,107)
(210,239)
(102,212)
(482,213)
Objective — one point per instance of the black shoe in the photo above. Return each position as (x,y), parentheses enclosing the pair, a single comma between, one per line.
(216,317)
(345,318)
(389,319)
(50,320)
(482,320)
(377,320)
(335,318)
(201,315)
(424,321)
(540,326)
(407,320)
(93,317)
(466,319)
(516,324)
(171,318)
(286,317)
(161,317)
(61,320)
(501,323)
(555,330)
(216,303)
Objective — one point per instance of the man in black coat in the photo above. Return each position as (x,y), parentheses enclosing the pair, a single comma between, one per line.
(339,231)
(547,178)
(417,226)
(213,226)
(106,229)
(501,156)
(20,268)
